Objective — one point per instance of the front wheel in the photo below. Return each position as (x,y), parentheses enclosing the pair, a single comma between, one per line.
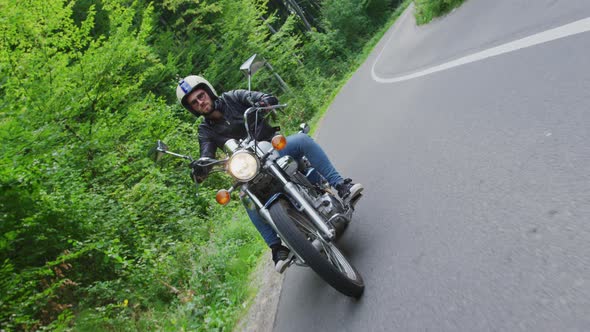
(323,257)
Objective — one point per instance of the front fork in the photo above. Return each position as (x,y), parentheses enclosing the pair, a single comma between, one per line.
(327,232)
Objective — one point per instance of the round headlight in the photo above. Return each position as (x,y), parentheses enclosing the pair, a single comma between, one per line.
(243,166)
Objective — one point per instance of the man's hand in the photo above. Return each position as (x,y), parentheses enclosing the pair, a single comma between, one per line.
(198,171)
(261,103)
(268,101)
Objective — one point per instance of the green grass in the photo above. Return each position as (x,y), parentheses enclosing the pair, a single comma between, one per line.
(209,284)
(426,10)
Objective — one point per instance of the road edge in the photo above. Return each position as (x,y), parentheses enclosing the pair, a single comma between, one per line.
(267,284)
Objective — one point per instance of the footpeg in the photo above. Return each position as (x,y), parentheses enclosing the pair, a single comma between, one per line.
(281,266)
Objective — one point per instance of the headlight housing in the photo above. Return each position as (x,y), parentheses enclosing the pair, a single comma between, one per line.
(243,166)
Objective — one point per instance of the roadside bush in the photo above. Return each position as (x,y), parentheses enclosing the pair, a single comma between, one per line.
(426,10)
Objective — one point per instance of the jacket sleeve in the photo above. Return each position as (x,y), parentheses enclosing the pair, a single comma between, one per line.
(249,98)
(206,143)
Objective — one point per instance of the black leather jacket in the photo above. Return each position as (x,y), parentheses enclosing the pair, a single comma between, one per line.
(232,105)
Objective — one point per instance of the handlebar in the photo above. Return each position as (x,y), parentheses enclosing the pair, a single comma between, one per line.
(255,109)
(204,162)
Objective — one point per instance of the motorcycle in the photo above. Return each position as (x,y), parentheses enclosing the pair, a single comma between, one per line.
(291,197)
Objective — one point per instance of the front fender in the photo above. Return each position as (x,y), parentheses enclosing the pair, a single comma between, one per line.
(272,199)
(277,196)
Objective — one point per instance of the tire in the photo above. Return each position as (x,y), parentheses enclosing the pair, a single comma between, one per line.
(329,263)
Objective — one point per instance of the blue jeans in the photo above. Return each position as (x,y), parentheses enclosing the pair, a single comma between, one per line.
(298,145)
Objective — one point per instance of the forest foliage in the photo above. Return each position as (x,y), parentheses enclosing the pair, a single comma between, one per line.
(93,234)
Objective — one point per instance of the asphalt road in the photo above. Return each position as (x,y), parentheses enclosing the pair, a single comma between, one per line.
(476,214)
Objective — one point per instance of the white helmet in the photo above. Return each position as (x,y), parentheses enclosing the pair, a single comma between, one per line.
(188,85)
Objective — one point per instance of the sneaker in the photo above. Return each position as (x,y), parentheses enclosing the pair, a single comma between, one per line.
(348,191)
(280,255)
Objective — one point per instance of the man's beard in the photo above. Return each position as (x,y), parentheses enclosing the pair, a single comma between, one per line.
(213,115)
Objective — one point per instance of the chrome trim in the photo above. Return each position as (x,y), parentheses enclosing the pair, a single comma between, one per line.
(327,232)
(231,145)
(253,198)
(338,215)
(288,164)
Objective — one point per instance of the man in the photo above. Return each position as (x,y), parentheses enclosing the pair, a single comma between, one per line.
(224,119)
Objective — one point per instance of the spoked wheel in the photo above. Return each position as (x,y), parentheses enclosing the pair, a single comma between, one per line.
(323,257)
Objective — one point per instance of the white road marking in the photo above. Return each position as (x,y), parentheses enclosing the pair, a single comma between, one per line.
(563,31)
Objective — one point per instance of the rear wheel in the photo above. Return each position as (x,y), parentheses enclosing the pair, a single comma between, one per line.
(323,257)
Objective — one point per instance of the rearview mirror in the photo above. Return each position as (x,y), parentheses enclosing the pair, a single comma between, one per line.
(251,66)
(157,152)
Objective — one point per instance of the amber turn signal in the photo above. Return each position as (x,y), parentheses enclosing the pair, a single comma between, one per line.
(222,197)
(279,142)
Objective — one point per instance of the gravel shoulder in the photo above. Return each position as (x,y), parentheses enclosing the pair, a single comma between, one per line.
(261,314)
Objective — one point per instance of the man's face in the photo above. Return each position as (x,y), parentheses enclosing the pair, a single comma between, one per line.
(200,101)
